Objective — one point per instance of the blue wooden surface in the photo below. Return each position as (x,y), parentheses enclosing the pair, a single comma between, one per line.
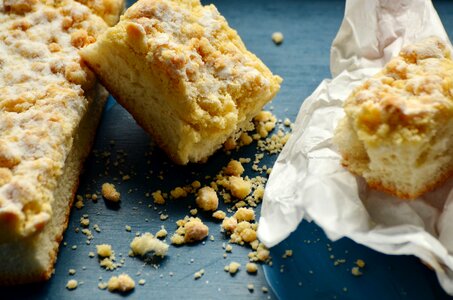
(302,60)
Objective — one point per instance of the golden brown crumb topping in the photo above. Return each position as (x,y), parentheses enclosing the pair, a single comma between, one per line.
(202,56)
(42,87)
(407,96)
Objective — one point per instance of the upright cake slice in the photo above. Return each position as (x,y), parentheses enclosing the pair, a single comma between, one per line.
(50,105)
(398,129)
(183,74)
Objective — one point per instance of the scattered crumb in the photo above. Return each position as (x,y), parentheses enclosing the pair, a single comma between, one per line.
(245,214)
(178,192)
(239,187)
(219,215)
(102,285)
(207,199)
(163,217)
(85,222)
(264,289)
(234,168)
(229,224)
(199,274)
(360,263)
(250,287)
(277,38)
(228,248)
(121,283)
(162,233)
(128,228)
(158,198)
(147,243)
(233,267)
(108,263)
(288,253)
(104,250)
(72,284)
(72,271)
(110,193)
(251,267)
(91,254)
(193,211)
(142,281)
(79,203)
(189,230)
(356,271)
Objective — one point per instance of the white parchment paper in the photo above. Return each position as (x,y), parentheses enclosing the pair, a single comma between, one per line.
(308,181)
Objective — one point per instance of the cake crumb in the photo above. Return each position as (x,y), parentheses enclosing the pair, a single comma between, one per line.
(85,222)
(104,250)
(102,285)
(190,229)
(251,267)
(162,233)
(158,197)
(277,37)
(199,274)
(128,228)
(219,215)
(142,281)
(234,168)
(250,287)
(147,243)
(229,224)
(193,211)
(228,248)
(239,187)
(72,284)
(356,271)
(121,283)
(245,214)
(233,267)
(72,271)
(207,199)
(288,253)
(110,193)
(178,192)
(360,263)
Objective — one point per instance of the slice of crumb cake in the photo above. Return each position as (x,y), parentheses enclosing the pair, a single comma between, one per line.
(398,129)
(184,75)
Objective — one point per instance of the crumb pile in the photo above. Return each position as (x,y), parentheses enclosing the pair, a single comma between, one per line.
(226,199)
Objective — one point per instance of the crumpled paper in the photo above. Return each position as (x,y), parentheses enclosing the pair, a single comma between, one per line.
(308,181)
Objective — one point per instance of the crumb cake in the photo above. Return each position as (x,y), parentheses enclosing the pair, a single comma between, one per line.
(398,128)
(184,75)
(50,104)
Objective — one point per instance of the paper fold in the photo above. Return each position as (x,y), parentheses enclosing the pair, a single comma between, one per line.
(308,181)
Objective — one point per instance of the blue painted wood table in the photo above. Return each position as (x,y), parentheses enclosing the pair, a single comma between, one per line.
(318,269)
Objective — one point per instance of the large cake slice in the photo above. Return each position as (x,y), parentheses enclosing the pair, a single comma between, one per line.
(184,75)
(50,105)
(398,129)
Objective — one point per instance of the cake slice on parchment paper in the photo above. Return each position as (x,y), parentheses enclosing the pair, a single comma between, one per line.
(50,104)
(184,75)
(398,128)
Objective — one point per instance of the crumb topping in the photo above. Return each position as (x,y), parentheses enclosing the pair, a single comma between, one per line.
(42,88)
